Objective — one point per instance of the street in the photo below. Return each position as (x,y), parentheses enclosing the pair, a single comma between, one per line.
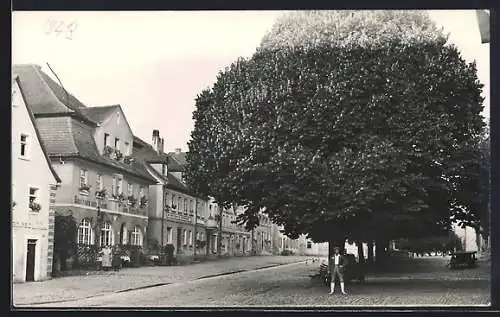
(291,285)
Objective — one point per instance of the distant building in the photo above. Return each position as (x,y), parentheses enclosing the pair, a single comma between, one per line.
(34,184)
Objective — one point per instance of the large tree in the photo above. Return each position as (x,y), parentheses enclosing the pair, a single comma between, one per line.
(347,128)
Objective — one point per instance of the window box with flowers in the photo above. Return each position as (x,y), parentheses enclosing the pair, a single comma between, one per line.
(108,151)
(101,194)
(118,155)
(144,201)
(120,198)
(128,159)
(132,201)
(34,206)
(84,189)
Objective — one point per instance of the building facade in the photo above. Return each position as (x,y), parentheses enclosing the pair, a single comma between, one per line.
(103,187)
(34,183)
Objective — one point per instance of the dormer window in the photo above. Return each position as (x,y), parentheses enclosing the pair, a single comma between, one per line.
(117,144)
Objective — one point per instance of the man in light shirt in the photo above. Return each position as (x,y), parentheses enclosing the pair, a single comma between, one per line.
(336,269)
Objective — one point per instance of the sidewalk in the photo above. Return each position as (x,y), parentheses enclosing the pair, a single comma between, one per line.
(77,287)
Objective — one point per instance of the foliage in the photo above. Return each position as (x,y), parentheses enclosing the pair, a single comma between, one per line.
(85,187)
(118,155)
(34,206)
(65,235)
(359,141)
(132,200)
(101,194)
(144,202)
(350,28)
(108,150)
(128,159)
(287,252)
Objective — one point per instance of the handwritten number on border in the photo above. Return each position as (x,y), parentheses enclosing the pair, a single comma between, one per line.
(58,26)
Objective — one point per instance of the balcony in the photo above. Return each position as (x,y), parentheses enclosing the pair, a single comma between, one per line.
(112,205)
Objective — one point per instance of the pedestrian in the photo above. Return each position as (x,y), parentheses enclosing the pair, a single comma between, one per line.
(116,262)
(336,269)
(106,258)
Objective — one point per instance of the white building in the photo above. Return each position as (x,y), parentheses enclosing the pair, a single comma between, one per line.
(33,194)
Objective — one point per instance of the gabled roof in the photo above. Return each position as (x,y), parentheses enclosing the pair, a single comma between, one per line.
(44,96)
(99,114)
(144,151)
(177,162)
(32,118)
(66,137)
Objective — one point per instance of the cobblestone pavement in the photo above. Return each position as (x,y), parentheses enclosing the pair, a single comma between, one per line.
(291,285)
(78,287)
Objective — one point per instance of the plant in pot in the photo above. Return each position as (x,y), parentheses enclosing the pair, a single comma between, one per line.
(118,155)
(101,194)
(132,201)
(34,206)
(144,201)
(108,151)
(85,187)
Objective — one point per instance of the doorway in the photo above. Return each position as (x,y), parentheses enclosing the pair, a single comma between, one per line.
(30,260)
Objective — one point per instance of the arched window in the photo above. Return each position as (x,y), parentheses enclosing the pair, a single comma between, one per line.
(85,233)
(106,234)
(136,236)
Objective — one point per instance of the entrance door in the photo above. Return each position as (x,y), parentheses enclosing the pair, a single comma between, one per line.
(30,260)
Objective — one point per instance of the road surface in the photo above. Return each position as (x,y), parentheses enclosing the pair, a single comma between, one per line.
(291,286)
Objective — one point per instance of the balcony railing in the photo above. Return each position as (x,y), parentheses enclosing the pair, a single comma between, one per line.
(112,205)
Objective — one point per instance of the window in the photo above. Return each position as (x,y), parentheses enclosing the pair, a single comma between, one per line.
(141,191)
(309,244)
(117,144)
(106,234)
(185,205)
(130,189)
(119,186)
(113,186)
(191,206)
(169,235)
(85,233)
(179,203)
(98,182)
(24,145)
(127,148)
(163,169)
(190,238)
(136,236)
(33,195)
(84,174)
(184,240)
(173,202)
(106,139)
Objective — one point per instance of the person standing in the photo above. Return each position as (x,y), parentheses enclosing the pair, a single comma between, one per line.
(106,257)
(336,269)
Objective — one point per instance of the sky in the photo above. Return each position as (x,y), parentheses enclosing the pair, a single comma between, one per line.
(154,64)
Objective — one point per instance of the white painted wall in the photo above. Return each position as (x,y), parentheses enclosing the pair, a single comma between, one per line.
(468,237)
(30,171)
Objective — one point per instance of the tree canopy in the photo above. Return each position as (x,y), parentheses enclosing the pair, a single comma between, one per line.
(361,140)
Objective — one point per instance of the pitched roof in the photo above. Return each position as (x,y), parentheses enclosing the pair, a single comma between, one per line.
(174,183)
(44,96)
(98,114)
(37,132)
(146,152)
(177,162)
(67,137)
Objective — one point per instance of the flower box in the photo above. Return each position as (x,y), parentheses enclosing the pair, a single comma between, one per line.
(85,188)
(108,150)
(132,201)
(35,206)
(144,201)
(101,193)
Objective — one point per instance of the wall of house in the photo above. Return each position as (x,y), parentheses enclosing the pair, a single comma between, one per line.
(30,171)
(116,126)
(468,236)
(70,186)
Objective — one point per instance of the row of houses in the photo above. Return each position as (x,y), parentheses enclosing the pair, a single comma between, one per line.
(70,159)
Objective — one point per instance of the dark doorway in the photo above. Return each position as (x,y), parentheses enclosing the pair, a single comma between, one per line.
(179,237)
(30,260)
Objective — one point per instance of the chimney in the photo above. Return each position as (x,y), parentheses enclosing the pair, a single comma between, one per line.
(156,139)
(178,150)
(161,147)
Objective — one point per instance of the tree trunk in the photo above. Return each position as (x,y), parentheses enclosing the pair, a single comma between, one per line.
(370,252)
(361,255)
(380,251)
